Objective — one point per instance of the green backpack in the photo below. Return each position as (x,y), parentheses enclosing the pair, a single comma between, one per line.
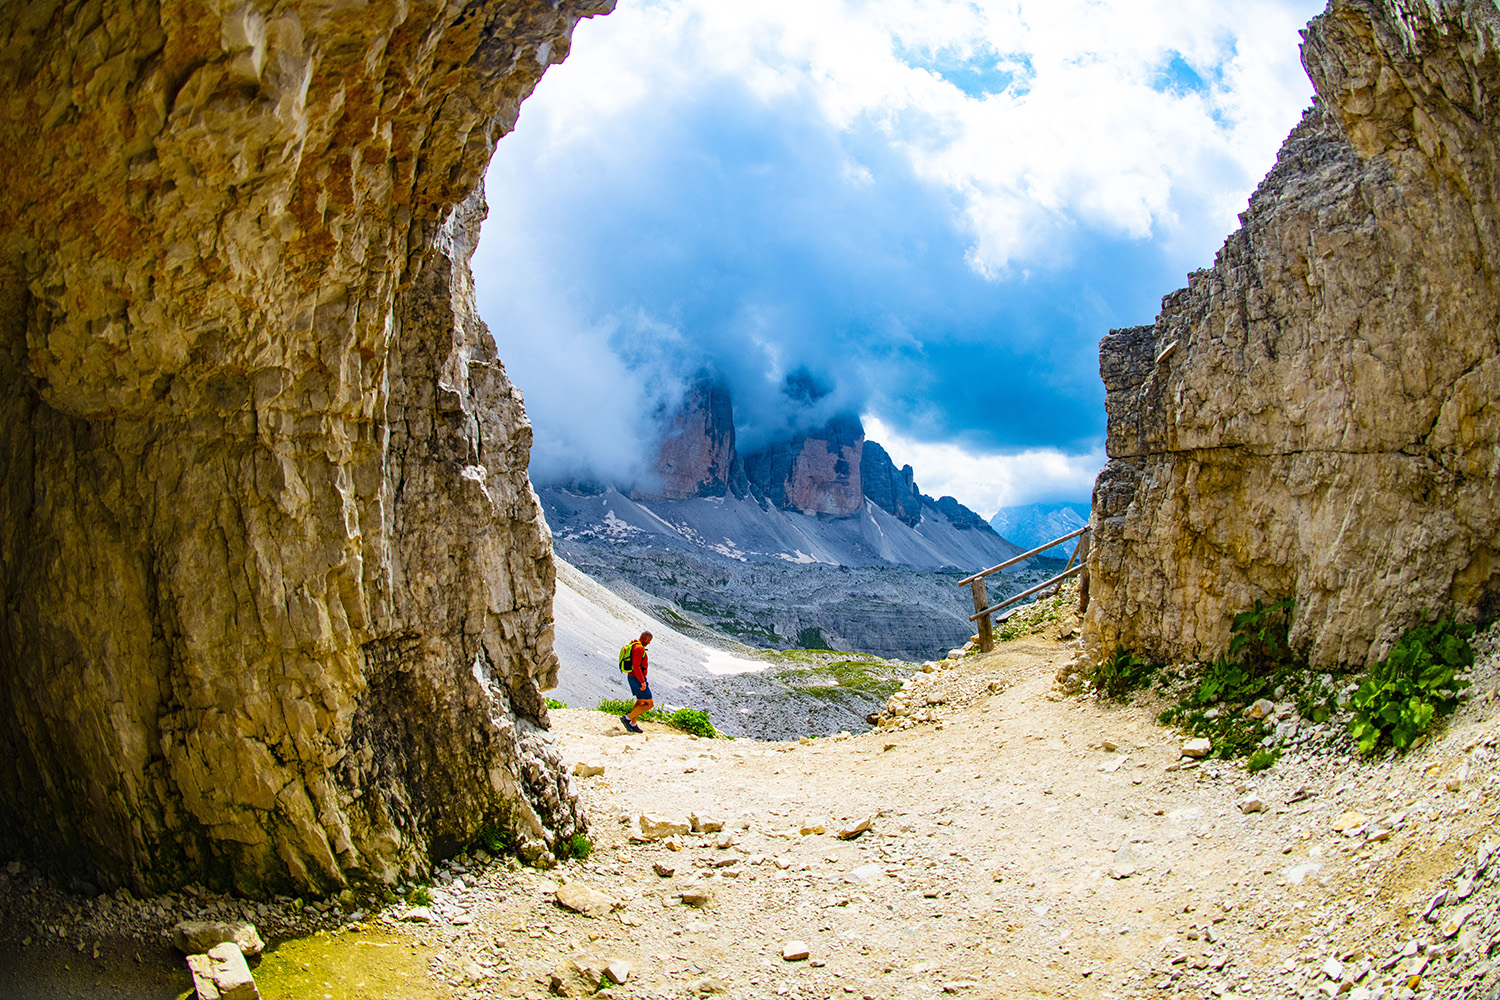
(625,655)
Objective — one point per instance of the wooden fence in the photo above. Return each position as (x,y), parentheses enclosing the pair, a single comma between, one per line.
(983,609)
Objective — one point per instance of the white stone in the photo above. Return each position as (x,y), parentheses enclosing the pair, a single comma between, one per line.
(794,951)
(618,971)
(196,937)
(856,829)
(1260,709)
(584,769)
(583,899)
(1202,746)
(657,827)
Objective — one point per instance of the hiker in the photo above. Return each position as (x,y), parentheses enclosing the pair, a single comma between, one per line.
(633,666)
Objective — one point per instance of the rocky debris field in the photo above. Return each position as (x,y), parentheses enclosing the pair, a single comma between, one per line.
(1012,845)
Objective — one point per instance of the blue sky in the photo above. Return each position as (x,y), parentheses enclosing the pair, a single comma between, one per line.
(935,207)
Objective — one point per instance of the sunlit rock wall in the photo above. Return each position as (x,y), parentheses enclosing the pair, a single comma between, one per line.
(276,591)
(1318,415)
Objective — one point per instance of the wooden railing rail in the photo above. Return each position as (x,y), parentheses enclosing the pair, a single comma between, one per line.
(983,609)
(1022,557)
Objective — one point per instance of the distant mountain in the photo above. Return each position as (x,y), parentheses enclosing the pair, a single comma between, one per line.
(820,494)
(815,539)
(746,529)
(1038,523)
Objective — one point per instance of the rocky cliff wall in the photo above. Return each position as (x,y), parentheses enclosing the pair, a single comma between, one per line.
(274,589)
(697,456)
(1317,414)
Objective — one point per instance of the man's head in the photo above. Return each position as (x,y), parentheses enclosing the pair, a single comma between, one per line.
(645,638)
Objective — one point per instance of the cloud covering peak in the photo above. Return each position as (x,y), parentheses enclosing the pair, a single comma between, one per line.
(933,209)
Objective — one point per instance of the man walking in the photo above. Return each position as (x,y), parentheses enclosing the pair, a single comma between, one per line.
(633,665)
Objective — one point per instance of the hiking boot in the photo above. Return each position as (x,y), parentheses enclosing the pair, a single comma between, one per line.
(630,726)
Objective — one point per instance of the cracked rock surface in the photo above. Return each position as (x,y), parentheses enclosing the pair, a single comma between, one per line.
(1315,415)
(276,589)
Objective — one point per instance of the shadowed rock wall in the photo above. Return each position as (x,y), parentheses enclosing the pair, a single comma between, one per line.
(275,593)
(1318,415)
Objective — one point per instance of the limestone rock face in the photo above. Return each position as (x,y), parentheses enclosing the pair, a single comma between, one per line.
(1317,415)
(892,490)
(815,472)
(275,588)
(697,455)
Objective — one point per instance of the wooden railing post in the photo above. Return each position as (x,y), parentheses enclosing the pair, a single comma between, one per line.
(1083,580)
(982,601)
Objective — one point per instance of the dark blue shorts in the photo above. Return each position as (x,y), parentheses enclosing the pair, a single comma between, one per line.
(641,691)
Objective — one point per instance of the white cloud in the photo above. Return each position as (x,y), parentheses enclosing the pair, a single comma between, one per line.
(1091,133)
(987,482)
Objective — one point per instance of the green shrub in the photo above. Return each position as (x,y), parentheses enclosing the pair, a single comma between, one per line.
(1415,684)
(1260,658)
(1121,674)
(1260,637)
(554,703)
(690,720)
(418,895)
(1262,759)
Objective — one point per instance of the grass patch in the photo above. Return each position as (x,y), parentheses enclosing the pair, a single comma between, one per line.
(843,678)
(554,703)
(418,895)
(1412,687)
(689,720)
(1039,612)
(576,848)
(1262,759)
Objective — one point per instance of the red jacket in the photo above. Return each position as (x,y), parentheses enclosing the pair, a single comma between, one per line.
(638,661)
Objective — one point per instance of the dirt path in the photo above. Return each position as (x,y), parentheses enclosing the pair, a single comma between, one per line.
(1011,855)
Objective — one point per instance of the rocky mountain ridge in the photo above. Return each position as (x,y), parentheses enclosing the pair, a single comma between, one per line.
(830,469)
(1036,524)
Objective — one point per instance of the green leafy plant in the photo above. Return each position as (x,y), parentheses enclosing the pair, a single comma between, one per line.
(1260,658)
(418,895)
(577,847)
(554,703)
(1121,674)
(497,839)
(1260,637)
(1417,683)
(616,706)
(1262,759)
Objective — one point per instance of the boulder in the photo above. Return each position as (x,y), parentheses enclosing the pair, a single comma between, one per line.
(1267,437)
(196,937)
(285,473)
(657,827)
(582,899)
(222,974)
